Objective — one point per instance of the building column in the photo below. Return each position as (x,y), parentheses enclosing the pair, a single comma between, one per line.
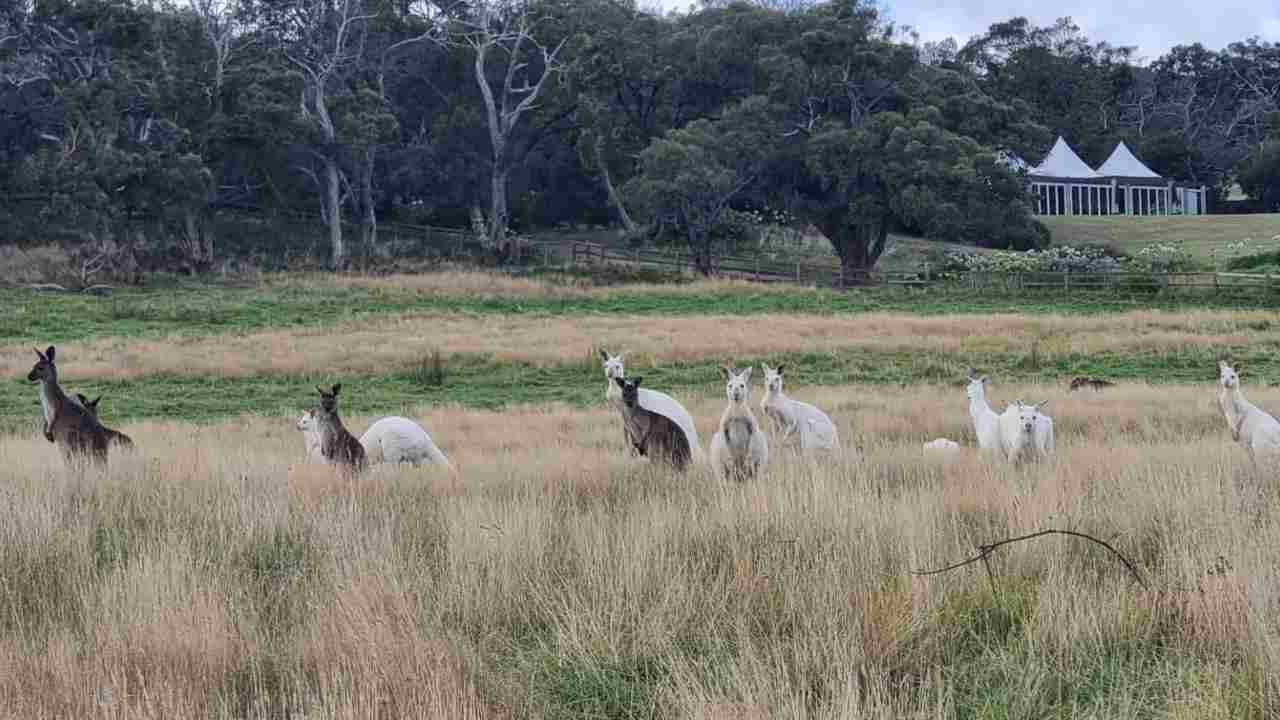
(1113,196)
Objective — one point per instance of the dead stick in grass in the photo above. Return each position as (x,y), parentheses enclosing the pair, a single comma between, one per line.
(984,551)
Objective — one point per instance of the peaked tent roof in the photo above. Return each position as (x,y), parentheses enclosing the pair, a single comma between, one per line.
(1123,163)
(1063,162)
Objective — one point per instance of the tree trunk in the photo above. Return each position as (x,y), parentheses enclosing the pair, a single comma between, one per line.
(700,248)
(859,245)
(369,219)
(614,197)
(198,242)
(498,210)
(332,209)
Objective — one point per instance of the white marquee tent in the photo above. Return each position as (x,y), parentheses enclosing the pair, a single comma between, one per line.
(1063,184)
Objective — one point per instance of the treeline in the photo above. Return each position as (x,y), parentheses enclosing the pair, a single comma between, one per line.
(128,128)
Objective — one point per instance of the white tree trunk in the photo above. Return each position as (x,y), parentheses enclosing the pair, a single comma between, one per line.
(369,224)
(615,198)
(332,208)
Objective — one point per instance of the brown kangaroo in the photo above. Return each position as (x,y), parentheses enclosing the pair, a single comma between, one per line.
(652,433)
(1089,382)
(337,444)
(75,430)
(113,436)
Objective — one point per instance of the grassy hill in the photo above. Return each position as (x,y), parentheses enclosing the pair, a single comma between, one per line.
(1197,233)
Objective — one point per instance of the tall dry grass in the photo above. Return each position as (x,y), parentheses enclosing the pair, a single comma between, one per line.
(216,575)
(400,342)
(465,282)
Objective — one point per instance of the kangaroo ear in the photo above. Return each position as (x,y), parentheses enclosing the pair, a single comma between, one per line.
(620,382)
(337,388)
(636,380)
(746,374)
(38,353)
(48,354)
(94,402)
(604,356)
(321,390)
(728,374)
(83,400)
(779,369)
(1040,405)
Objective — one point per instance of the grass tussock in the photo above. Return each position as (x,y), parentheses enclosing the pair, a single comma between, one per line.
(413,343)
(214,574)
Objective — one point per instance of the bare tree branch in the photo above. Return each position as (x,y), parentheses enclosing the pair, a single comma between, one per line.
(984,551)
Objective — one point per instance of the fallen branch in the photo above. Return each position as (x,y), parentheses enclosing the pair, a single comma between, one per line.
(984,552)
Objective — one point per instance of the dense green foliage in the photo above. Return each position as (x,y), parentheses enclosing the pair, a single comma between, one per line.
(130,132)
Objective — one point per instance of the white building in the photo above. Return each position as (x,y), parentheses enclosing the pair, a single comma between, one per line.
(1063,184)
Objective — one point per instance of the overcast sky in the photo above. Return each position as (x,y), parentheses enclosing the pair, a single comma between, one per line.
(1153,26)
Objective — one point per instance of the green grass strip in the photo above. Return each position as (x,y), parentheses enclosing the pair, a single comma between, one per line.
(40,319)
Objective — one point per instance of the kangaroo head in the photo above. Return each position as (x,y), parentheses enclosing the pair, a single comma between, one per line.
(44,369)
(1227,375)
(630,390)
(738,386)
(329,400)
(89,405)
(1027,414)
(977,385)
(772,378)
(613,368)
(309,421)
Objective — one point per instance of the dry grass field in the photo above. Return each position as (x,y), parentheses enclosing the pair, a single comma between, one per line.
(214,573)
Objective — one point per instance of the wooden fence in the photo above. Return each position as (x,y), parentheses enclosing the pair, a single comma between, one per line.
(757,269)
(585,254)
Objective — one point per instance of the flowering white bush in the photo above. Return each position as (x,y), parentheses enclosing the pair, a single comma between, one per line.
(1163,257)
(1054,259)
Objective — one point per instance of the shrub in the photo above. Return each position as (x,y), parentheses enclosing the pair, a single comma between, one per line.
(1163,257)
(1085,259)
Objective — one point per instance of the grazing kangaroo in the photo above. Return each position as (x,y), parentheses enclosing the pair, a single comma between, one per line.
(337,444)
(73,428)
(114,436)
(653,434)
(1095,384)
